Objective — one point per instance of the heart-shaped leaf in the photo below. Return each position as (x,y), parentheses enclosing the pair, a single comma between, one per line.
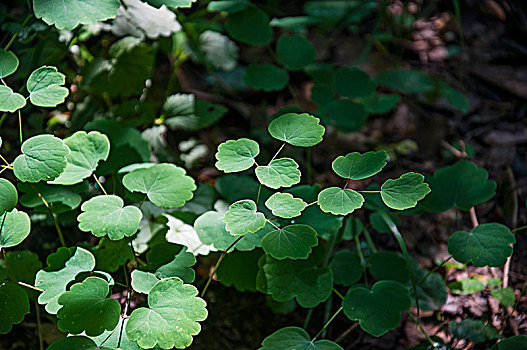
(180,266)
(293,242)
(302,130)
(10,101)
(474,330)
(85,308)
(54,282)
(266,77)
(462,185)
(166,185)
(353,82)
(404,192)
(87,149)
(281,172)
(487,245)
(60,198)
(337,201)
(71,13)
(143,281)
(284,205)
(15,227)
(44,86)
(236,155)
(171,318)
(250,26)
(356,166)
(294,51)
(8,63)
(347,268)
(14,305)
(43,159)
(8,196)
(386,298)
(295,338)
(243,218)
(184,111)
(105,215)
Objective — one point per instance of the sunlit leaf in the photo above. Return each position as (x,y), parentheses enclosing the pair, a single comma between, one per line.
(338,201)
(243,218)
(404,192)
(8,63)
(15,228)
(8,196)
(236,155)
(284,205)
(281,172)
(302,130)
(10,101)
(291,242)
(356,166)
(44,86)
(295,338)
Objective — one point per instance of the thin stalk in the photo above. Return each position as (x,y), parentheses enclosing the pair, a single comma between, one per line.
(308,318)
(327,311)
(310,204)
(258,195)
(277,152)
(519,228)
(368,191)
(433,270)
(327,323)
(423,330)
(142,202)
(100,185)
(30,286)
(458,220)
(269,221)
(39,327)
(50,210)
(3,159)
(20,127)
(338,293)
(218,264)
(369,240)
(18,31)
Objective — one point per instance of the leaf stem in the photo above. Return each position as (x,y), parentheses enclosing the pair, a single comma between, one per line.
(218,264)
(519,228)
(277,152)
(20,127)
(423,330)
(338,293)
(57,227)
(18,31)
(4,160)
(39,327)
(369,240)
(308,318)
(310,204)
(30,286)
(433,270)
(372,191)
(258,195)
(327,323)
(269,221)
(100,184)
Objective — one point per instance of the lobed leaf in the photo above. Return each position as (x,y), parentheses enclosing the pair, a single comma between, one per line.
(295,338)
(337,201)
(10,101)
(293,242)
(44,86)
(404,192)
(302,130)
(236,155)
(14,305)
(243,218)
(281,172)
(356,166)
(284,205)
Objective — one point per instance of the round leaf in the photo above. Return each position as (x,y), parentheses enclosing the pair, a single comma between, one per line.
(346,115)
(105,215)
(293,242)
(294,51)
(16,227)
(266,77)
(250,26)
(284,205)
(386,298)
(87,149)
(14,305)
(8,63)
(10,101)
(347,268)
(356,166)
(337,201)
(487,245)
(302,130)
(86,309)
(166,185)
(295,338)
(243,218)
(236,155)
(43,159)
(404,192)
(281,172)
(44,87)
(353,82)
(8,196)
(172,317)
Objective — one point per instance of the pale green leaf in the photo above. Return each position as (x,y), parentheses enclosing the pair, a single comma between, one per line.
(337,201)
(236,155)
(44,86)
(8,196)
(295,338)
(356,166)
(301,130)
(281,172)
(8,63)
(505,296)
(10,101)
(404,192)
(143,281)
(15,227)
(243,218)
(293,242)
(284,205)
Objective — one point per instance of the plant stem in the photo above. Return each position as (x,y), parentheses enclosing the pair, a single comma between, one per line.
(30,286)
(369,240)
(327,323)
(3,159)
(338,293)
(473,217)
(519,228)
(57,227)
(218,264)
(18,31)
(423,330)
(310,204)
(458,220)
(277,152)
(308,318)
(39,327)
(20,127)
(100,185)
(258,195)
(269,221)
(433,270)
(372,191)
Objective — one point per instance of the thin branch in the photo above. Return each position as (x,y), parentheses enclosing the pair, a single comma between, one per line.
(50,210)
(277,152)
(100,184)
(327,323)
(473,217)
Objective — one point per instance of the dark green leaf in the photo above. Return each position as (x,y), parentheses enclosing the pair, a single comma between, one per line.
(265,76)
(293,242)
(250,26)
(294,52)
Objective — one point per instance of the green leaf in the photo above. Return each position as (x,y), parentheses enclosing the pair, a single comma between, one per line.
(322,94)
(85,308)
(455,98)
(295,23)
(293,242)
(386,298)
(266,77)
(474,330)
(114,339)
(295,338)
(105,215)
(166,185)
(235,187)
(79,342)
(239,269)
(8,63)
(54,282)
(87,149)
(407,81)
(10,101)
(111,255)
(337,201)
(284,205)
(143,281)
(466,286)
(380,103)
(487,245)
(71,13)
(347,268)
(356,166)
(8,196)
(172,3)
(387,265)
(431,292)
(294,51)
(14,305)
(43,159)
(346,115)
(281,172)
(218,50)
(180,266)
(243,218)
(250,26)
(184,111)
(512,343)
(302,130)
(229,6)
(15,227)
(378,222)
(22,266)
(352,82)
(172,317)
(505,296)
(404,192)
(462,185)
(236,155)
(44,86)
(303,280)
(60,198)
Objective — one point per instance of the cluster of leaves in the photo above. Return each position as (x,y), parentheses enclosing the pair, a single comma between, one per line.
(277,231)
